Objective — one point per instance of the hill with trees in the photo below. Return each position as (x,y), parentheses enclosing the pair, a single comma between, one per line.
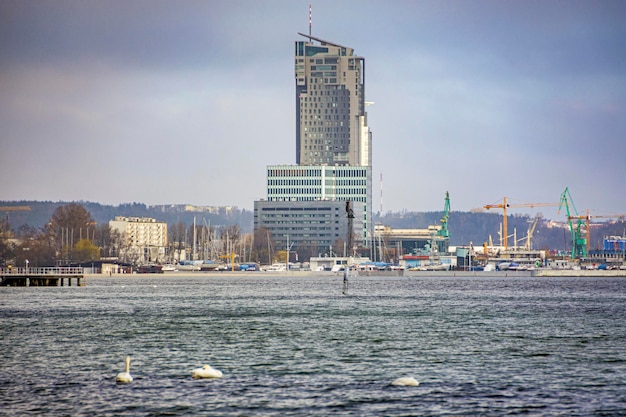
(62,231)
(41,211)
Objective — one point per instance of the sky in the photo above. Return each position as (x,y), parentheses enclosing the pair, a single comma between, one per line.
(188,102)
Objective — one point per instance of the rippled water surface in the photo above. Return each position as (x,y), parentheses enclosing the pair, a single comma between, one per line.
(297,346)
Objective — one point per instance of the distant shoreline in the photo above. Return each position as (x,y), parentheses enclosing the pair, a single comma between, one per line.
(538,273)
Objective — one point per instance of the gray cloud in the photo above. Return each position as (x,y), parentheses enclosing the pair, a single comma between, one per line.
(187,102)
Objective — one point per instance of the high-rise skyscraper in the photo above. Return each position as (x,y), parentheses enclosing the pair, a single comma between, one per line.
(331,122)
(305,206)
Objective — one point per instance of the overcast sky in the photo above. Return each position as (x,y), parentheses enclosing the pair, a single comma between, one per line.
(167,102)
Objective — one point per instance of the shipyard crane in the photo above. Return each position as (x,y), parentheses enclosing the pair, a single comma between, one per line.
(587,218)
(504,205)
(442,237)
(443,232)
(531,230)
(579,244)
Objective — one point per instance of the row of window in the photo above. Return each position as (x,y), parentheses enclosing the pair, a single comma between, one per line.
(318,61)
(293,181)
(293,232)
(296,191)
(350,182)
(276,226)
(317,138)
(360,199)
(303,49)
(319,90)
(294,172)
(348,172)
(337,126)
(300,198)
(335,98)
(326,90)
(323,67)
(315,218)
(300,171)
(329,75)
(325,85)
(328,105)
(325,141)
(339,192)
(319,112)
(264,209)
(324,148)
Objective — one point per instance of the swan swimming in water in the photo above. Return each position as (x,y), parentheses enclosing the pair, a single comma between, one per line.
(206,372)
(405,382)
(125,376)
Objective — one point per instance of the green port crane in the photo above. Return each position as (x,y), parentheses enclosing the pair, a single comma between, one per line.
(579,243)
(443,232)
(587,219)
(441,238)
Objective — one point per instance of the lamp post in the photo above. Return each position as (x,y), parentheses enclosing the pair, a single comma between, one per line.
(288,250)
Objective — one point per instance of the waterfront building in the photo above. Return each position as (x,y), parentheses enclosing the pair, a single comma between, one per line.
(313,227)
(322,182)
(410,241)
(333,155)
(612,255)
(145,239)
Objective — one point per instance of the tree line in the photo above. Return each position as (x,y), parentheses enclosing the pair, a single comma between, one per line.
(72,236)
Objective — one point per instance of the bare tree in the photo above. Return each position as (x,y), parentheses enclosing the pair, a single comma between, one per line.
(231,239)
(263,246)
(176,240)
(68,225)
(7,247)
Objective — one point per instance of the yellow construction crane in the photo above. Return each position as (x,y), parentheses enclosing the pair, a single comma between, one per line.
(14,208)
(504,206)
(231,257)
(7,209)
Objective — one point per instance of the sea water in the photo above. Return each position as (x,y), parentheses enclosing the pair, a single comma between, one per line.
(293,345)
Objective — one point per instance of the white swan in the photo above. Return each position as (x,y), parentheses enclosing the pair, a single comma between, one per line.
(125,376)
(206,372)
(406,381)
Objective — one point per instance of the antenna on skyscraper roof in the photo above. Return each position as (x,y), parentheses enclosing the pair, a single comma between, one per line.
(310,19)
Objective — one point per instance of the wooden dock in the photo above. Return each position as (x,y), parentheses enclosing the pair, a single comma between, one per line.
(42,277)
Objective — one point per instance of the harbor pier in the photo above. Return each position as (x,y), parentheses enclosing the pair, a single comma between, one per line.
(42,277)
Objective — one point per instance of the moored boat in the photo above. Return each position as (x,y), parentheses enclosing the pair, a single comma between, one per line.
(149,269)
(169,268)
